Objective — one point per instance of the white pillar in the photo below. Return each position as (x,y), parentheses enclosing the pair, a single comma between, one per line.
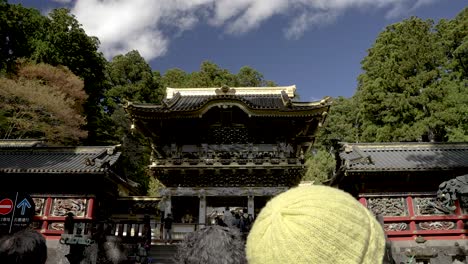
(202,211)
(250,205)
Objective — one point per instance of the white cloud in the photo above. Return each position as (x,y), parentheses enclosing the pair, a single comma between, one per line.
(149,25)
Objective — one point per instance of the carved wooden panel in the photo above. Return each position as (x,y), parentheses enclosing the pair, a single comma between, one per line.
(436,225)
(228,135)
(56,226)
(61,206)
(241,152)
(243,177)
(387,206)
(40,205)
(464,203)
(424,206)
(396,227)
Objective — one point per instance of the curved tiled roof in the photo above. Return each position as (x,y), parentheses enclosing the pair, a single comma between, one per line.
(264,104)
(404,156)
(57,159)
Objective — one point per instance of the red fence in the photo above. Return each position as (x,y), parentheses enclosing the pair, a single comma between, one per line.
(408,215)
(52,210)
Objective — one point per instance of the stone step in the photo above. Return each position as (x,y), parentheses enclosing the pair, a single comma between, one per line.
(162,254)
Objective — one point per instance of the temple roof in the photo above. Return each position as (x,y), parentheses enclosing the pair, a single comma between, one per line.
(374,157)
(31,159)
(256,101)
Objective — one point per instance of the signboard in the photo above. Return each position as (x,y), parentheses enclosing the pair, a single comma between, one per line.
(16,211)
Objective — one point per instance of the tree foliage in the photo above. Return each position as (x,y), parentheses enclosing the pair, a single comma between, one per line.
(56,39)
(20,30)
(401,71)
(341,124)
(131,80)
(211,75)
(42,102)
(319,166)
(414,87)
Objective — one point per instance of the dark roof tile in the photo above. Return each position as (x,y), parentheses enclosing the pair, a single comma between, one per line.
(57,159)
(404,156)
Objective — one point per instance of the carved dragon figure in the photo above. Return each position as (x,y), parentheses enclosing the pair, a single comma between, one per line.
(449,191)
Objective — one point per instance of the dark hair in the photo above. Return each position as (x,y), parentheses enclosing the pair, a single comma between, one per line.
(26,246)
(212,245)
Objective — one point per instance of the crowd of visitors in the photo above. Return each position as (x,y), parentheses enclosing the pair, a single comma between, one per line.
(235,219)
(306,224)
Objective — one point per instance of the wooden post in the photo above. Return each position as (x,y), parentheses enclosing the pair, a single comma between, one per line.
(251,205)
(202,211)
(168,207)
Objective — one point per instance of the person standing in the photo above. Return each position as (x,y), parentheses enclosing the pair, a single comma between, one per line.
(228,217)
(167,223)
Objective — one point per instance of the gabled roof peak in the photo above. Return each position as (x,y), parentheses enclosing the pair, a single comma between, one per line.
(289,90)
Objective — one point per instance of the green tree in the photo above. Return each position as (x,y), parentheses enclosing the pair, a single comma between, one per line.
(401,74)
(175,78)
(131,80)
(249,77)
(211,75)
(67,44)
(341,124)
(319,166)
(453,110)
(20,31)
(414,85)
(43,102)
(57,39)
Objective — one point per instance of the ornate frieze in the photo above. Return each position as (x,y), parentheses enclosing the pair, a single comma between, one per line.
(268,176)
(396,227)
(225,150)
(228,135)
(213,191)
(61,206)
(425,206)
(436,225)
(388,206)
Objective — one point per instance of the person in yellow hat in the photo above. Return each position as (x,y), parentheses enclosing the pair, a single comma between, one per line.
(315,224)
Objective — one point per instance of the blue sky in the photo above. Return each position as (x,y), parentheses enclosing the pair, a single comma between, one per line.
(315,44)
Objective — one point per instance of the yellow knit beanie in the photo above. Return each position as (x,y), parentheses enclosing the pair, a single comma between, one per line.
(315,224)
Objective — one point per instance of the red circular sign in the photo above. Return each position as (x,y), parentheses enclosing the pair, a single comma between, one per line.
(6,206)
